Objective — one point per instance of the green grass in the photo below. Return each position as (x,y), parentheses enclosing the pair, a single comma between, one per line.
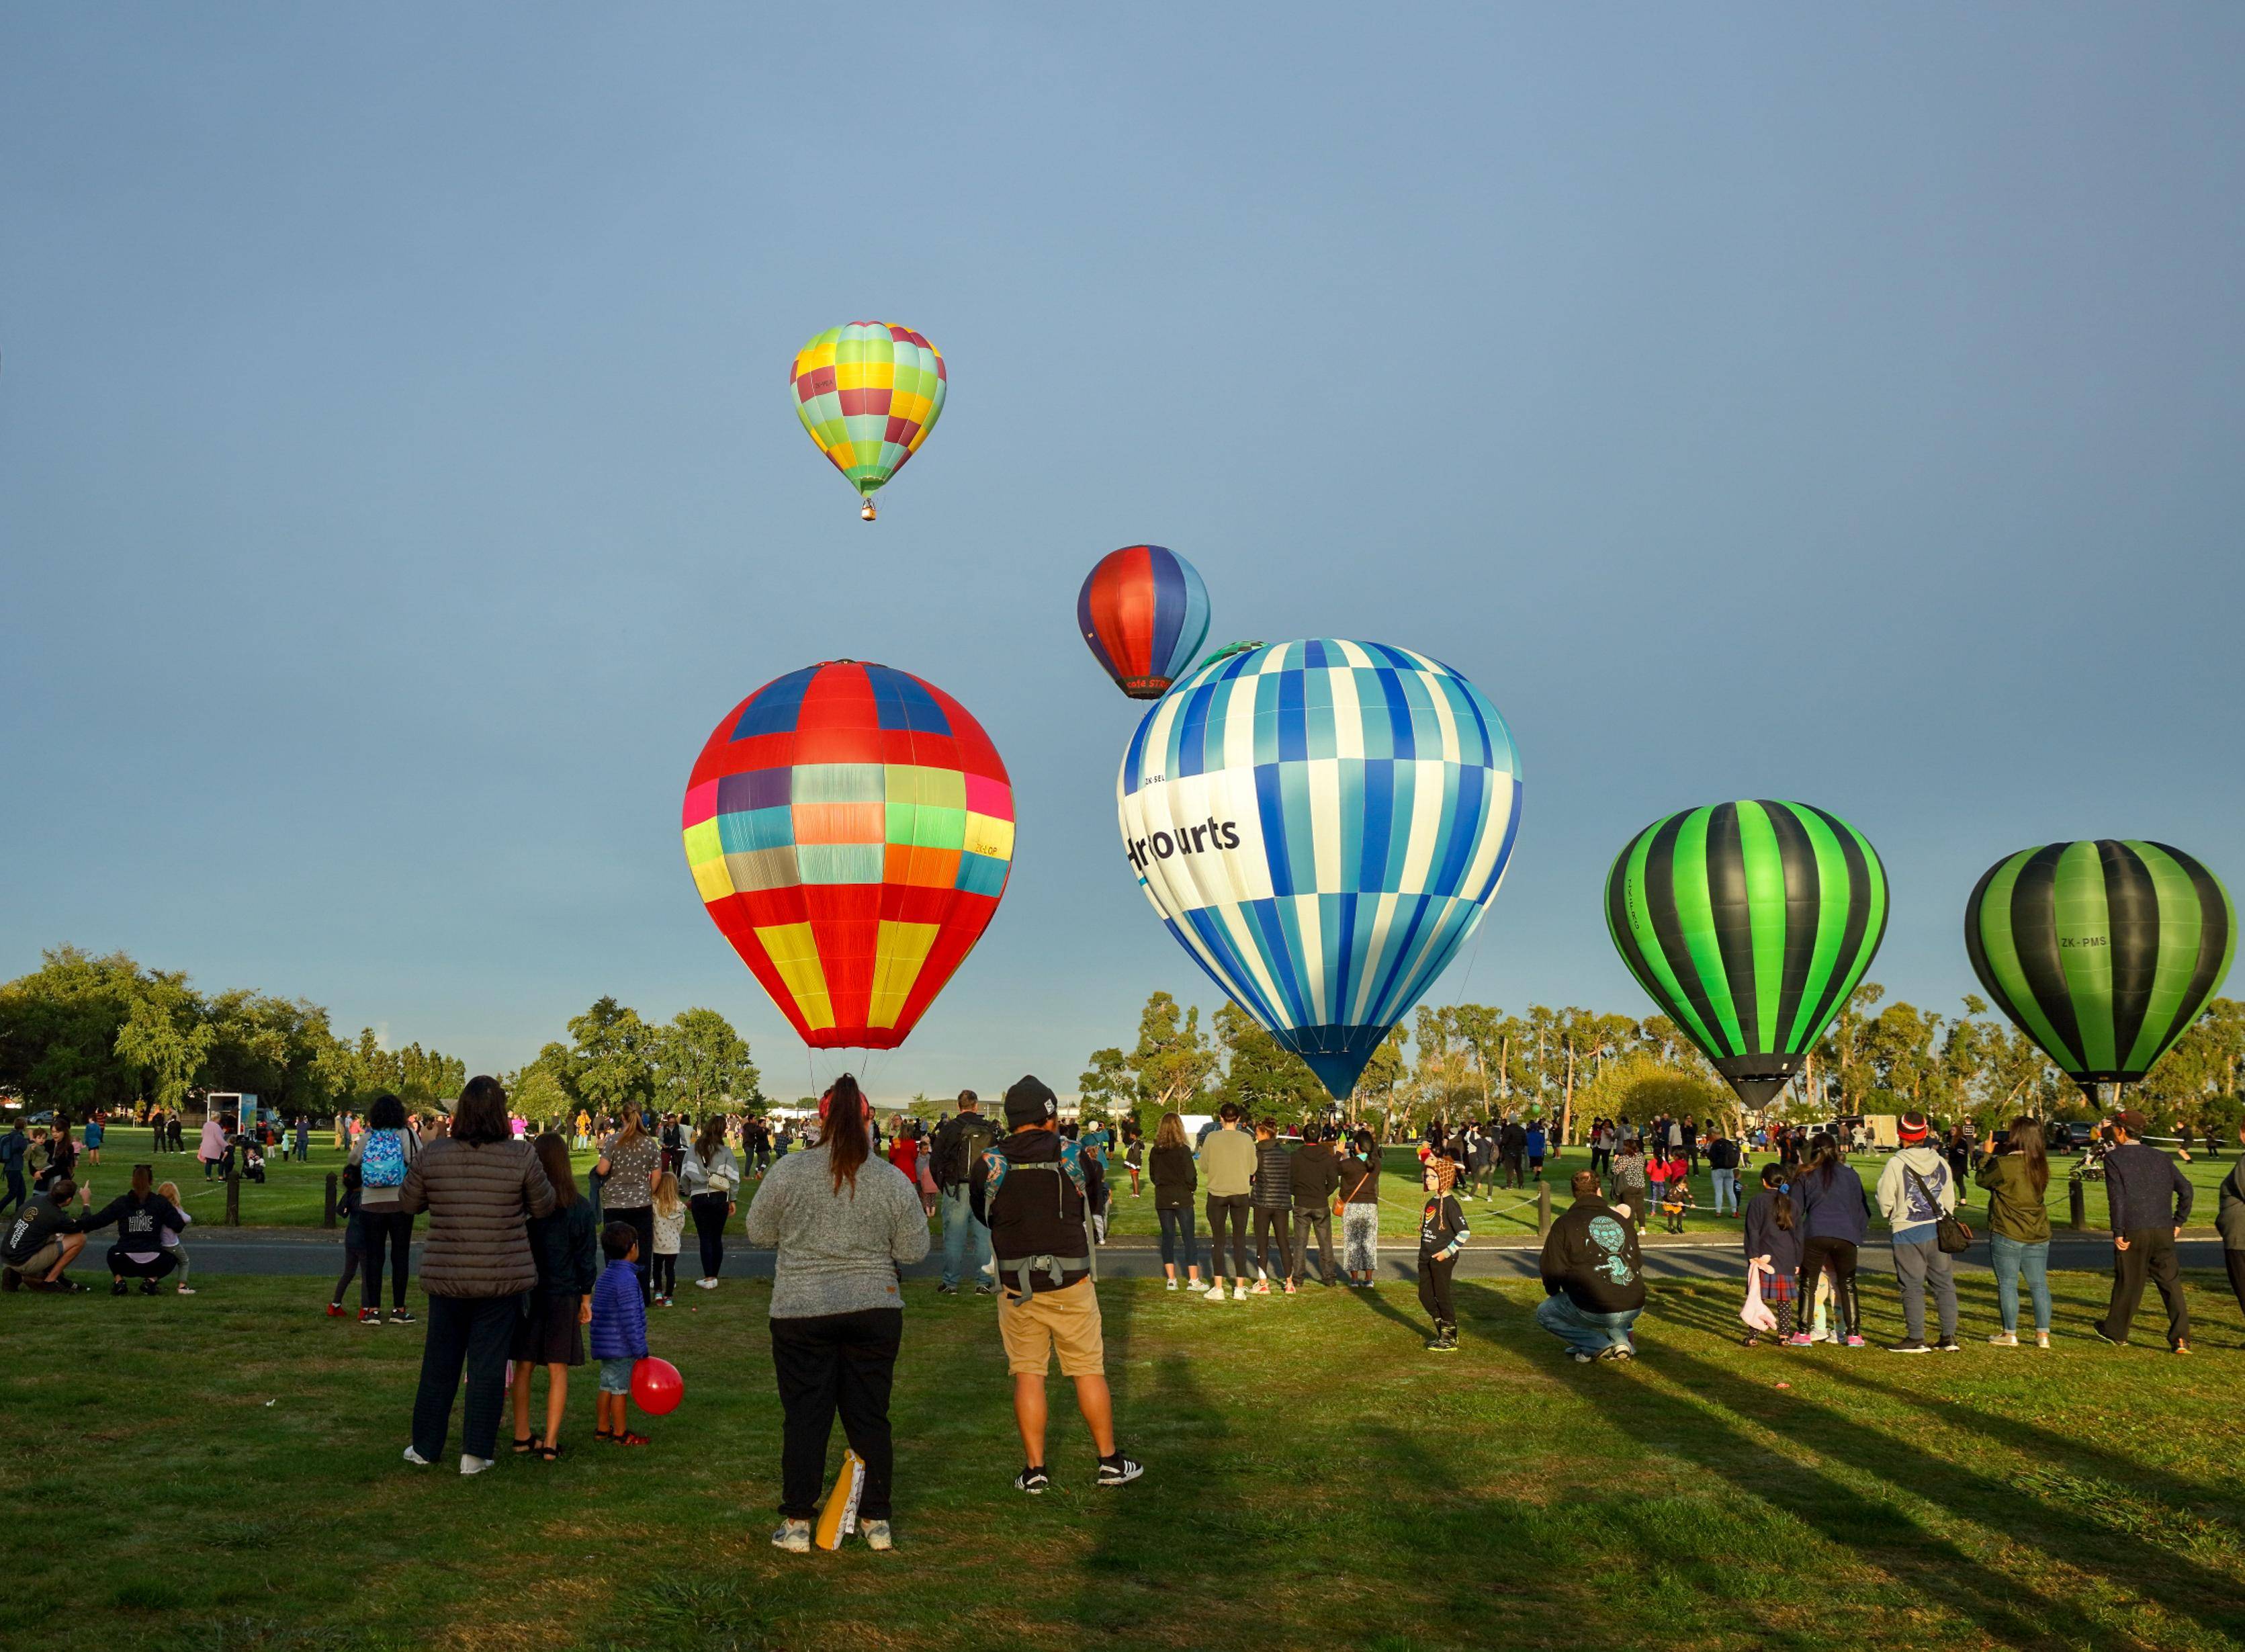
(222,1472)
(294,1195)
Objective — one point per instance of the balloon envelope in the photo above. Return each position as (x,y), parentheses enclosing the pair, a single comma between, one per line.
(1143,613)
(868,393)
(1321,824)
(2103,952)
(850,828)
(656,1386)
(1749,923)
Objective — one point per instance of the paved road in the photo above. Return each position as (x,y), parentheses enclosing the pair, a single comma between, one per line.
(218,1251)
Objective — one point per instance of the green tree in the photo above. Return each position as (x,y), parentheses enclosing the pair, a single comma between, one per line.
(58,1029)
(612,1058)
(1106,1090)
(1260,1074)
(1637,1085)
(701,1061)
(165,1039)
(1174,1060)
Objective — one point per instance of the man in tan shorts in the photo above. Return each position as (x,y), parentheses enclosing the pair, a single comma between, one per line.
(1036,1191)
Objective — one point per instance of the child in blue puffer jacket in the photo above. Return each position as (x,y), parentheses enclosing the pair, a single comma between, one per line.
(619,1332)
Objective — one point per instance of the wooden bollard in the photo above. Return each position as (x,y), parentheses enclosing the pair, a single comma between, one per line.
(330,1218)
(1544,1210)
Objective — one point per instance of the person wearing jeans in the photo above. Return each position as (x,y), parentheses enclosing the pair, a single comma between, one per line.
(966,1240)
(1171,1164)
(1915,1191)
(1723,1166)
(2017,1177)
(1593,1282)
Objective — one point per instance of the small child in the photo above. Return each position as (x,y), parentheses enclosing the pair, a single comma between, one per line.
(669,1228)
(354,1238)
(172,1235)
(1442,1234)
(1676,1192)
(619,1332)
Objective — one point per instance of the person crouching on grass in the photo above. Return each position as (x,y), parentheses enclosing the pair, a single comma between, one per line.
(1036,1193)
(1443,1234)
(619,1332)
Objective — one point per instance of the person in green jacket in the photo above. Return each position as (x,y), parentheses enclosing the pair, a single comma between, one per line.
(2229,1218)
(2018,1227)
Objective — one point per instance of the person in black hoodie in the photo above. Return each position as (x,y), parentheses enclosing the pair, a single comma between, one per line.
(1315,1175)
(142,1216)
(1443,1234)
(1036,1193)
(1593,1284)
(2150,1200)
(1272,1200)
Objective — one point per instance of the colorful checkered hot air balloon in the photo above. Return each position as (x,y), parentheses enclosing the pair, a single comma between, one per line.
(2104,951)
(1749,924)
(1143,612)
(869,393)
(850,828)
(1321,825)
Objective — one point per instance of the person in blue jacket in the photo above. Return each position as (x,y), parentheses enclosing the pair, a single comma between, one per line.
(619,1332)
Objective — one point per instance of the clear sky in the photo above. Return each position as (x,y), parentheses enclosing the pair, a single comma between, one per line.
(399,480)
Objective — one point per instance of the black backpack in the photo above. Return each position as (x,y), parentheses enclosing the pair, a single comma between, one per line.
(965,1139)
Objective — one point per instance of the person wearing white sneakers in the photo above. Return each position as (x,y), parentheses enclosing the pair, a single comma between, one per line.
(1227,1163)
(1175,1181)
(2017,1178)
(1273,1201)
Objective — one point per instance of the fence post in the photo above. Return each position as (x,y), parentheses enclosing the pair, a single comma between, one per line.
(2077,1206)
(330,1220)
(1544,1210)
(233,1197)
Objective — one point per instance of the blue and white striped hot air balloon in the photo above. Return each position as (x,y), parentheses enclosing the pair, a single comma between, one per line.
(1321,824)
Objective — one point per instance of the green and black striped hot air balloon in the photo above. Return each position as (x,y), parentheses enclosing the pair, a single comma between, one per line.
(2103,953)
(1749,923)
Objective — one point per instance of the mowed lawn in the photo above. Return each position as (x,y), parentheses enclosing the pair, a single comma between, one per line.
(222,1472)
(294,1195)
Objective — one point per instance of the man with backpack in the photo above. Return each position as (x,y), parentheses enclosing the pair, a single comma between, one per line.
(956,1153)
(1036,1193)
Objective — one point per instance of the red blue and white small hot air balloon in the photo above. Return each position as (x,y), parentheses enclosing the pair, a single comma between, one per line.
(1143,612)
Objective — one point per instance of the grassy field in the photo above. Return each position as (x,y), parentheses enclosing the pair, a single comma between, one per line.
(294,1195)
(220,1473)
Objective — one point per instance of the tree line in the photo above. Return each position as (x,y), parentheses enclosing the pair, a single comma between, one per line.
(1571,1064)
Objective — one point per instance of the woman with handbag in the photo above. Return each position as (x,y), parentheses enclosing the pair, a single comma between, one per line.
(709,1176)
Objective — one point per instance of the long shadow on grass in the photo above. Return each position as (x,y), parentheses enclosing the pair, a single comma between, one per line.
(1934,1566)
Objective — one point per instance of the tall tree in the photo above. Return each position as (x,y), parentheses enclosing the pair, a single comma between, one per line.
(166,1037)
(612,1057)
(1174,1060)
(1260,1074)
(701,1061)
(1106,1090)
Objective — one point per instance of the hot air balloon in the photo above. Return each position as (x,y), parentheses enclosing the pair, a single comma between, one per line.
(1749,923)
(2103,953)
(850,828)
(869,393)
(1321,824)
(1144,611)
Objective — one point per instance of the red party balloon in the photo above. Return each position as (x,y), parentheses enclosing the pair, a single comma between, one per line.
(657,1387)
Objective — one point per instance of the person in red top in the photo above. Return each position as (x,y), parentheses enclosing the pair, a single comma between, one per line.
(904,1153)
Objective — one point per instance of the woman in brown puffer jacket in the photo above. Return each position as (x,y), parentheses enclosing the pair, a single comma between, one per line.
(480,1186)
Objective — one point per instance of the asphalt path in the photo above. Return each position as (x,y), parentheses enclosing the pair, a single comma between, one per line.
(293,1253)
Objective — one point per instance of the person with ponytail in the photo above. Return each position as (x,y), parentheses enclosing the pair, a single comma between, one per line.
(843,1222)
(1833,1214)
(709,1175)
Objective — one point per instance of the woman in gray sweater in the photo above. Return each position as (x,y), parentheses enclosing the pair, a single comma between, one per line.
(842,1221)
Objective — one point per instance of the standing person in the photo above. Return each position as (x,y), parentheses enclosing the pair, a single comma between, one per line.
(842,1222)
(1772,1241)
(1227,1163)
(1691,1145)
(15,1147)
(1272,1198)
(384,1154)
(1629,1185)
(211,1149)
(1676,1191)
(1533,1140)
(1593,1279)
(1359,1177)
(630,1164)
(2150,1200)
(1723,1166)
(1443,1234)
(669,1212)
(481,1187)
(172,1129)
(618,1317)
(95,1132)
(1315,1177)
(156,1138)
(1175,1181)
(1916,1188)
(1601,1148)
(1834,1218)
(354,1238)
(1512,1151)
(2017,1178)
(1037,1194)
(959,1145)
(1480,1159)
(2229,1218)
(1134,1160)
(711,1177)
(565,1243)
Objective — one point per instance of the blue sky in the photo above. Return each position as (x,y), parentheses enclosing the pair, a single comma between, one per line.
(398,479)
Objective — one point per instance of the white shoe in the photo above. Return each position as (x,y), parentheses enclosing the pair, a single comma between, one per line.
(1196,1284)
(793,1536)
(877,1537)
(707,1284)
(1216,1296)
(1172,1285)
(1239,1292)
(473,1464)
(187,1290)
(416,1458)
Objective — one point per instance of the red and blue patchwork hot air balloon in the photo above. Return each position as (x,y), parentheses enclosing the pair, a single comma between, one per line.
(1144,613)
(850,828)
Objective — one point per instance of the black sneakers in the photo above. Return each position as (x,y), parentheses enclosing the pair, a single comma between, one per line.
(1118,1470)
(1033,1480)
